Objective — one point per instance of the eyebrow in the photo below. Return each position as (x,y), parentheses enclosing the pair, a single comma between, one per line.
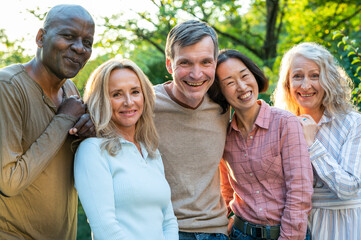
(301,69)
(121,90)
(231,76)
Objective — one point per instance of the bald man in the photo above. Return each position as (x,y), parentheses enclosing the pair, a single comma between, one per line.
(38,106)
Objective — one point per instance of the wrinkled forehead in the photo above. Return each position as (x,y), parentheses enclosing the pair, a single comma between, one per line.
(204,44)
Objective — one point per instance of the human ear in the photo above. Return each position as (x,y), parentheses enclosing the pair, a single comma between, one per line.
(169,65)
(40,38)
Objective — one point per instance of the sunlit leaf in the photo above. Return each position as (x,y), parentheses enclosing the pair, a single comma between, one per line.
(351,53)
(336,35)
(355,61)
(358,69)
(344,39)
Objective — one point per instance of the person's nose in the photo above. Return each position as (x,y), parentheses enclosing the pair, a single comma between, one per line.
(306,83)
(241,86)
(78,46)
(196,72)
(128,100)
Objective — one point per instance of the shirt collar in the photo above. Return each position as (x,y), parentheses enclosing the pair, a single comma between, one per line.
(262,119)
(326,117)
(264,115)
(142,147)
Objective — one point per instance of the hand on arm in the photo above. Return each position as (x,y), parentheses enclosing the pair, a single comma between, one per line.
(72,106)
(227,191)
(309,127)
(226,188)
(75,107)
(230,224)
(19,166)
(84,127)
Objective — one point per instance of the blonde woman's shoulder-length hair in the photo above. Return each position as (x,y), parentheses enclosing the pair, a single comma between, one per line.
(96,96)
(333,79)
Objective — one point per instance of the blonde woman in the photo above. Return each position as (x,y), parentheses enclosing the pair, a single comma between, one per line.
(312,86)
(119,174)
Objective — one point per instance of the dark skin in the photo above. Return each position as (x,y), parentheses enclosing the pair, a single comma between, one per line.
(64,47)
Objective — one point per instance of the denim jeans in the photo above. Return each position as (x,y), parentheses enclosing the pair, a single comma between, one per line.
(202,236)
(238,235)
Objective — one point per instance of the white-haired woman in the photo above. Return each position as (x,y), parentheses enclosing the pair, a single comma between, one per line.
(312,85)
(119,174)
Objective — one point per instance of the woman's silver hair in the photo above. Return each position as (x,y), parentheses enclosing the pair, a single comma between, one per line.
(96,96)
(333,80)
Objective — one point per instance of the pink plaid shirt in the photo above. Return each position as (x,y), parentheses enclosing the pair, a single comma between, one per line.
(267,178)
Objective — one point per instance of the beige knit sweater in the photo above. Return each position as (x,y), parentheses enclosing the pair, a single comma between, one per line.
(191,144)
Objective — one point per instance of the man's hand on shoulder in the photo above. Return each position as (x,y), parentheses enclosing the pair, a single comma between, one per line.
(84,127)
(75,107)
(72,106)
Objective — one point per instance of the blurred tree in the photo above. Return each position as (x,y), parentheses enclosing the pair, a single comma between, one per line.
(262,29)
(11,51)
(350,57)
(81,78)
(258,29)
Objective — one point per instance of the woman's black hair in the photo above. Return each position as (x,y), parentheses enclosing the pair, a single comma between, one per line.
(214,91)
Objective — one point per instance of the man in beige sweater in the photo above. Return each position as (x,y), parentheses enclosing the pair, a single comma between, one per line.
(37,108)
(192,132)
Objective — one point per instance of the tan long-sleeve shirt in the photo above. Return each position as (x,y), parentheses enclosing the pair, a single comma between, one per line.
(38,198)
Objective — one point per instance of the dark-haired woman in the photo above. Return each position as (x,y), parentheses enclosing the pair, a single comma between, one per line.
(266,168)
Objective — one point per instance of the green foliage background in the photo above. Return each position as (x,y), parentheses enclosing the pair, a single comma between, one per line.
(263,30)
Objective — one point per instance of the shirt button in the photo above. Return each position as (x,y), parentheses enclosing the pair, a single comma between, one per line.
(260,209)
(251,174)
(257,191)
(245,154)
(251,137)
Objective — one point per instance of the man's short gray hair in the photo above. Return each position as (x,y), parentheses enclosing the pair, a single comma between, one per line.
(189,33)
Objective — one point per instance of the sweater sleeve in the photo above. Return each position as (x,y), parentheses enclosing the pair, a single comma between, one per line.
(94,183)
(170,225)
(20,167)
(298,179)
(342,175)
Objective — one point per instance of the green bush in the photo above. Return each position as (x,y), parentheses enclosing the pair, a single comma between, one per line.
(350,59)
(83,226)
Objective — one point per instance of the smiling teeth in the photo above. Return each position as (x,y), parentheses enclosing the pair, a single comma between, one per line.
(306,95)
(245,95)
(194,84)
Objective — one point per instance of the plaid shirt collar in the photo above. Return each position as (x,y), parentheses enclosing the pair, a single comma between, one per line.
(262,119)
